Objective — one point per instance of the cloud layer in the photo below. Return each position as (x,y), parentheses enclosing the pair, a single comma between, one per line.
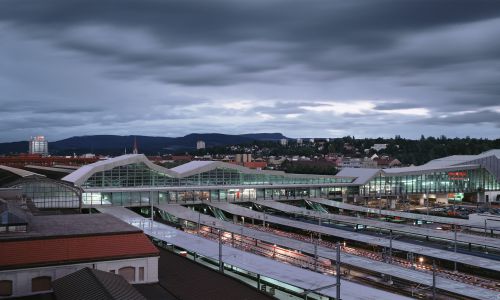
(322,68)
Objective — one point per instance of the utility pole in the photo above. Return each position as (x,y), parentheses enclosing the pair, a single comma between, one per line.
(319,223)
(337,284)
(221,264)
(379,204)
(455,246)
(485,231)
(152,213)
(433,280)
(338,271)
(390,247)
(199,221)
(315,256)
(427,203)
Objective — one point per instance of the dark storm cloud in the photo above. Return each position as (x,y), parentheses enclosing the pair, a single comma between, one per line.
(161,62)
(314,31)
(469,118)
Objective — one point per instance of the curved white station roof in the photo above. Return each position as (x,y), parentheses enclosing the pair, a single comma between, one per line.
(490,160)
(79,176)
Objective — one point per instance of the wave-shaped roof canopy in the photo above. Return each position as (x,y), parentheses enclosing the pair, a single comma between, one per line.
(79,176)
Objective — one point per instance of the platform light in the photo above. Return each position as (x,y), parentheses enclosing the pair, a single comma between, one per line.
(421,260)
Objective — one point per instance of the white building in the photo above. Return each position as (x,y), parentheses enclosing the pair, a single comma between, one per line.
(283,142)
(31,260)
(378,147)
(200,145)
(38,145)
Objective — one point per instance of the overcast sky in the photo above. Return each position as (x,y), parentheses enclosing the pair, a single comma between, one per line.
(303,68)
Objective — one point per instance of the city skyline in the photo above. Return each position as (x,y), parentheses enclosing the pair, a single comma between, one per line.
(323,69)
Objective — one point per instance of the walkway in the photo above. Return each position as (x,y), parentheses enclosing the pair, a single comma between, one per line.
(294,276)
(424,278)
(359,237)
(395,227)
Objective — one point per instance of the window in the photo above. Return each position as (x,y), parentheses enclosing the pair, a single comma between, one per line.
(128,273)
(40,284)
(5,288)
(141,273)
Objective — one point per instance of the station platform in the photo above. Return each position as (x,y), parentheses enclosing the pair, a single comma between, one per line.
(281,272)
(466,259)
(395,227)
(419,277)
(401,214)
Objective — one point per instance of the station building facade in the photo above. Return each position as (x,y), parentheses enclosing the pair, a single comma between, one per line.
(133,180)
(446,178)
(43,192)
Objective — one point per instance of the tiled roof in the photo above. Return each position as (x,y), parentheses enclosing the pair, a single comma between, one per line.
(52,226)
(255,164)
(92,284)
(28,253)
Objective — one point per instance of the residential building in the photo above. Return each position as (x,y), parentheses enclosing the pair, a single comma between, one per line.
(378,147)
(52,246)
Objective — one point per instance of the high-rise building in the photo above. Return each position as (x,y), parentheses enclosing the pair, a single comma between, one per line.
(39,145)
(200,145)
(283,142)
(299,141)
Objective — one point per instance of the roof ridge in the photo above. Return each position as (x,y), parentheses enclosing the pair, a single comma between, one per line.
(94,275)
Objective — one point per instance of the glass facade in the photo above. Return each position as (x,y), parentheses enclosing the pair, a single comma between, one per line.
(142,198)
(464,181)
(138,185)
(46,193)
(139,175)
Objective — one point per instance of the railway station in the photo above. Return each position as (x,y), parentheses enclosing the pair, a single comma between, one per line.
(363,233)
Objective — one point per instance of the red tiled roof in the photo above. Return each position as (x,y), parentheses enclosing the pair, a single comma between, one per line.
(74,249)
(255,164)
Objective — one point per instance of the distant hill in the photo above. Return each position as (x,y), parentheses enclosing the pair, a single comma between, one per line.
(116,144)
(14,147)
